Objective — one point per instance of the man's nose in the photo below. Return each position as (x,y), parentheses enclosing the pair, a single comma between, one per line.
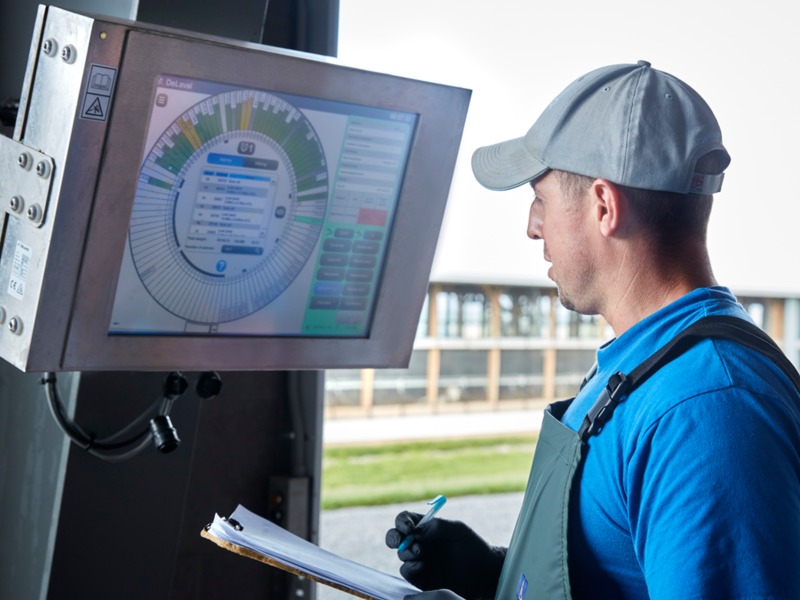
(534,224)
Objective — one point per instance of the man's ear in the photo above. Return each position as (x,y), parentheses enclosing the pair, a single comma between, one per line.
(608,206)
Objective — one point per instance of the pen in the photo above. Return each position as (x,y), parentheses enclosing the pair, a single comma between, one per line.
(436,505)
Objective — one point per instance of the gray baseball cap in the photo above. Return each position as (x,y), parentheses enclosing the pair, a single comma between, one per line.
(631,124)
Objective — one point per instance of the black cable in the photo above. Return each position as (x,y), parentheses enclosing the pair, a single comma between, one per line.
(106,447)
(54,403)
(76,433)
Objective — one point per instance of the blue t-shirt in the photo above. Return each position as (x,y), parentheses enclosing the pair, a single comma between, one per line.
(692,489)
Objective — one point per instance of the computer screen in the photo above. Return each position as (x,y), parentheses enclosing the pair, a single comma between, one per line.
(259,213)
(219,205)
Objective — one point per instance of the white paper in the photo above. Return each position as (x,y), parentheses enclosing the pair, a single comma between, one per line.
(276,543)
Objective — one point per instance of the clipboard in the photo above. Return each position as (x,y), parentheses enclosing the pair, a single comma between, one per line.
(231,547)
(254,537)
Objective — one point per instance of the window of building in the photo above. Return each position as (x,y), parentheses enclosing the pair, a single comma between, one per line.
(571,325)
(463,312)
(524,312)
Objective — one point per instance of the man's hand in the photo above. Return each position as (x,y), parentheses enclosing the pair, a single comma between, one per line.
(446,555)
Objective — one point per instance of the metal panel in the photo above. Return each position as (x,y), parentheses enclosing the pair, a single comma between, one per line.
(76,254)
(60,50)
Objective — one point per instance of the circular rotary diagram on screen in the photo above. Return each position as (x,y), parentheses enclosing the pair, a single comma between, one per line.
(229,206)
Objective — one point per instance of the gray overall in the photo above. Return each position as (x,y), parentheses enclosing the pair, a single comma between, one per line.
(536,566)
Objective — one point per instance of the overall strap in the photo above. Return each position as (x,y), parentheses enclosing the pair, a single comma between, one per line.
(714,326)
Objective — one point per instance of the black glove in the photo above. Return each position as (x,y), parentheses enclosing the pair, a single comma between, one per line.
(434,595)
(447,555)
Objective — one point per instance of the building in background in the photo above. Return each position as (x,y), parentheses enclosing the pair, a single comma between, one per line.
(493,335)
(503,347)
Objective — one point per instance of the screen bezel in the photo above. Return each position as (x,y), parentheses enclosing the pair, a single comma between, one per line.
(409,254)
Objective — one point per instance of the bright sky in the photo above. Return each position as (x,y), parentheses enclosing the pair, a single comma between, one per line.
(517,55)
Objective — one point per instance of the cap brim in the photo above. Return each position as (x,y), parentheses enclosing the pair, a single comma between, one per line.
(506,165)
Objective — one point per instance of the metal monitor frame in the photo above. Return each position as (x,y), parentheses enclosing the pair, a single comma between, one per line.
(68,184)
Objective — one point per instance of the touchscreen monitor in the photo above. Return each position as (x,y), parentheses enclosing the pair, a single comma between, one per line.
(258,212)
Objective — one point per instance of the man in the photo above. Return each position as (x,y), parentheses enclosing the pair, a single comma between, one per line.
(691,489)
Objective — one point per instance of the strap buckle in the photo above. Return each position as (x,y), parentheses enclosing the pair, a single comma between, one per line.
(617,386)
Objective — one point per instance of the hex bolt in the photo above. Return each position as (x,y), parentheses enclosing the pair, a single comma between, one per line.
(16,203)
(15,325)
(49,47)
(68,53)
(43,169)
(34,212)
(24,160)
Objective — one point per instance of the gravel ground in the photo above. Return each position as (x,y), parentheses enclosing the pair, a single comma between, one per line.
(358,533)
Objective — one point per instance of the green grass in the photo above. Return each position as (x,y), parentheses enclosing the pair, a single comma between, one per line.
(402,472)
